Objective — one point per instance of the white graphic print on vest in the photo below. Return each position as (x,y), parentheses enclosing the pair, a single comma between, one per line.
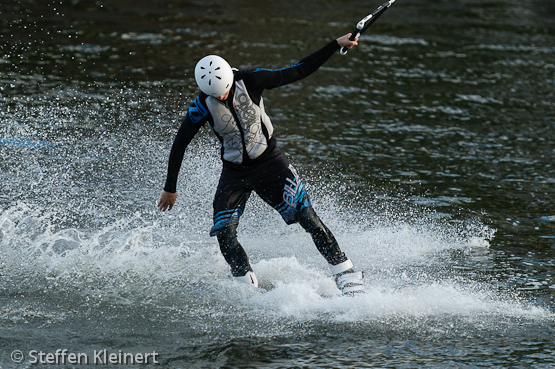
(232,141)
(251,124)
(251,118)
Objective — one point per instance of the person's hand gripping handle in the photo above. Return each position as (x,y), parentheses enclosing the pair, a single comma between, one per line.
(347,41)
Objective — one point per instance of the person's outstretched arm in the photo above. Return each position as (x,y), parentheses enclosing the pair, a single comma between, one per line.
(261,79)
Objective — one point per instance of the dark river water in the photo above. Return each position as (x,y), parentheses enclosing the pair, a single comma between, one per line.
(428,150)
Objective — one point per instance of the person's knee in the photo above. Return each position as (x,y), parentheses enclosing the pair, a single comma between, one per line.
(309,220)
(227,235)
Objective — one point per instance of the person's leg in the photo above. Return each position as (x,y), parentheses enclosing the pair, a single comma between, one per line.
(323,238)
(229,202)
(279,185)
(348,281)
(232,251)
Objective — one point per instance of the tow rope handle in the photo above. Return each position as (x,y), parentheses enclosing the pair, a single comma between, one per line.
(367,22)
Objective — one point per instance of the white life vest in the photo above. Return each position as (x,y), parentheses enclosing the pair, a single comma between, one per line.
(245,128)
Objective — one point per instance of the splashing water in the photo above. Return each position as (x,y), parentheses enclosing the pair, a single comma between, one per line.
(112,246)
(86,122)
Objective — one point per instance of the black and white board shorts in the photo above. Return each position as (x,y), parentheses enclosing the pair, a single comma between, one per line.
(274,179)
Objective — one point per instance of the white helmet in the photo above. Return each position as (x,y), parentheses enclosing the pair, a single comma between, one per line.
(213,75)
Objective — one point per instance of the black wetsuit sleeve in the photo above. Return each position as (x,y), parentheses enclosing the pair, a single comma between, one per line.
(189,128)
(261,79)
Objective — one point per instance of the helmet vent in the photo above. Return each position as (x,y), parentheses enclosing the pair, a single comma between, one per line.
(214,76)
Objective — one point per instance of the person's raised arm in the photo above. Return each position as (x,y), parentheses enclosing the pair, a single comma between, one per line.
(301,69)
